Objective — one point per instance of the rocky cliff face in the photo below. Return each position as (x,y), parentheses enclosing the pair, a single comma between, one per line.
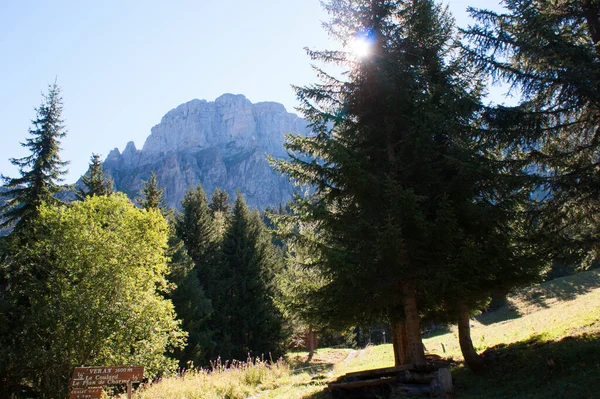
(217,144)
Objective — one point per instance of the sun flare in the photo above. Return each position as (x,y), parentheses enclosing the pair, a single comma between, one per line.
(360,47)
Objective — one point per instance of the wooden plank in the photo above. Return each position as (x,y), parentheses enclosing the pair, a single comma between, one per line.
(84,377)
(86,393)
(362,383)
(379,372)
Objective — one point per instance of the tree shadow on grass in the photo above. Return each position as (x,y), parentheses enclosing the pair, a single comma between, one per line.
(436,330)
(324,394)
(536,368)
(312,369)
(545,295)
(562,289)
(505,313)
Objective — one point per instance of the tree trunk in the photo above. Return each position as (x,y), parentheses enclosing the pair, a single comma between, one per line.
(310,344)
(590,12)
(404,343)
(414,347)
(472,358)
(399,342)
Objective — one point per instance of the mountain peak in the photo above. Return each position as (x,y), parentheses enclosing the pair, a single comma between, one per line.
(221,143)
(130,148)
(232,98)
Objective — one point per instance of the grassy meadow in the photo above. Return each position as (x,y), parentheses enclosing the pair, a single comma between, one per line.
(543,343)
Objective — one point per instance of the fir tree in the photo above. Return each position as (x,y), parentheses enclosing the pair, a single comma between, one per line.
(192,305)
(95,182)
(196,229)
(219,208)
(195,226)
(41,171)
(253,324)
(152,195)
(549,52)
(219,201)
(405,178)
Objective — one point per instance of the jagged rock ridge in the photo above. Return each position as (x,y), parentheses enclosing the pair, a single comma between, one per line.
(217,144)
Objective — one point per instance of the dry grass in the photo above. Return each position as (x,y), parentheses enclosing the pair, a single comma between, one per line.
(238,381)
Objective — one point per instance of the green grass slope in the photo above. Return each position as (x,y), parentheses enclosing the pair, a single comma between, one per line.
(543,343)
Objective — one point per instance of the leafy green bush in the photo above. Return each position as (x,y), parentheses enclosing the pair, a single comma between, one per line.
(85,288)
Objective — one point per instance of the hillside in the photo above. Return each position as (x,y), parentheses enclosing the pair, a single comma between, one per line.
(545,342)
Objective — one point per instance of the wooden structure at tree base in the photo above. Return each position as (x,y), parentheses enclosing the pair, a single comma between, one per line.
(429,380)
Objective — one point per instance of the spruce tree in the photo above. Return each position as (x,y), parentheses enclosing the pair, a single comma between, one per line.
(196,229)
(219,208)
(152,195)
(405,176)
(192,305)
(254,324)
(295,282)
(549,53)
(219,201)
(94,181)
(40,172)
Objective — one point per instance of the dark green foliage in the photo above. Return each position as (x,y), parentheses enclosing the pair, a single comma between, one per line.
(391,159)
(253,323)
(235,274)
(195,226)
(410,185)
(219,208)
(192,306)
(199,296)
(295,282)
(152,195)
(219,201)
(549,51)
(94,181)
(42,170)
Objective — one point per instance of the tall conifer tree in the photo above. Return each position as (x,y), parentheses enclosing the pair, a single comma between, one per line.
(219,201)
(405,177)
(254,324)
(153,195)
(196,229)
(549,52)
(191,303)
(94,181)
(220,207)
(41,171)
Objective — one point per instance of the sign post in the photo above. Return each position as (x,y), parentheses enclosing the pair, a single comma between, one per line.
(87,382)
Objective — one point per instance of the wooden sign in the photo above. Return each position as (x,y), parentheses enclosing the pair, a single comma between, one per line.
(86,393)
(85,377)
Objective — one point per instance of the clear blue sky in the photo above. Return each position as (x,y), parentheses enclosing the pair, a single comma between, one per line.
(123,64)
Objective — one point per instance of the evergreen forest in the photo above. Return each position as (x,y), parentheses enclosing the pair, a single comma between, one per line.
(420,203)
